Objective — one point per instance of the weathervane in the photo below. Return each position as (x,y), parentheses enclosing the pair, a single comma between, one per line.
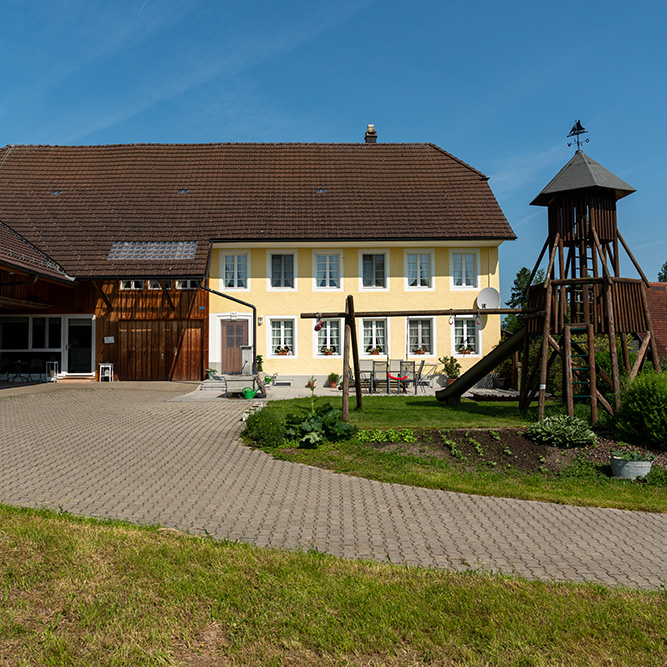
(576,130)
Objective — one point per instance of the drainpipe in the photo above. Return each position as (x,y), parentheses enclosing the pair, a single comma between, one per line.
(233,298)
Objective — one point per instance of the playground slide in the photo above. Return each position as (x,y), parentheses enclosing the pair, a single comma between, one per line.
(452,394)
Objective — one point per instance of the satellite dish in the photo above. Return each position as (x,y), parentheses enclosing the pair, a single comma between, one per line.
(488,298)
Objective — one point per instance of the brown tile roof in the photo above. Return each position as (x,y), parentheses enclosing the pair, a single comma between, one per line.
(657,305)
(16,253)
(75,201)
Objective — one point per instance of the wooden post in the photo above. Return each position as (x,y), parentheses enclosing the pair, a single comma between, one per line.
(349,308)
(592,381)
(543,354)
(345,416)
(567,371)
(613,352)
(649,326)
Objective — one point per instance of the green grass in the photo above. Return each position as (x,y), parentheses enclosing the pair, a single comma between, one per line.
(81,592)
(420,412)
(581,485)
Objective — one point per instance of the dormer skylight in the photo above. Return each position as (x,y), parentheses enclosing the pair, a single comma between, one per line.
(155,250)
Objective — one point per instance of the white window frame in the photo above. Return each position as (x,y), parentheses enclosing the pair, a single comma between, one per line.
(478,268)
(374,251)
(316,346)
(222,262)
(419,251)
(132,285)
(269,338)
(478,337)
(155,284)
(328,253)
(186,284)
(362,342)
(269,272)
(429,353)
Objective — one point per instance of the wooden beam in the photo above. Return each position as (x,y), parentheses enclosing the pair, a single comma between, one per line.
(105,298)
(592,381)
(345,416)
(634,261)
(537,264)
(567,366)
(649,325)
(22,303)
(166,293)
(640,356)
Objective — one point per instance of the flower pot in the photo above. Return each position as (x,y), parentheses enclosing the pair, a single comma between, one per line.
(375,354)
(450,381)
(629,469)
(333,385)
(282,354)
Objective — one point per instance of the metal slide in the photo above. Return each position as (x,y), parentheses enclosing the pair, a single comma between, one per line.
(452,394)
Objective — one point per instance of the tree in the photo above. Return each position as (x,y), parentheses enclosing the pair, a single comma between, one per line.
(519,296)
(662,275)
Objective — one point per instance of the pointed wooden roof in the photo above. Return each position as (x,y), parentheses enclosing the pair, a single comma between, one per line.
(579,173)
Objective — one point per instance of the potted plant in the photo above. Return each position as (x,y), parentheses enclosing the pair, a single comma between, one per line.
(420,349)
(328,350)
(451,368)
(210,373)
(374,349)
(630,464)
(465,349)
(282,351)
(332,379)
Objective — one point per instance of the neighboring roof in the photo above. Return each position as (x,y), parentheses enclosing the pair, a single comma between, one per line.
(657,305)
(582,172)
(17,253)
(76,201)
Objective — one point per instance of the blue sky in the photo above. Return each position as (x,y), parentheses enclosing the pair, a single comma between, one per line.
(499,85)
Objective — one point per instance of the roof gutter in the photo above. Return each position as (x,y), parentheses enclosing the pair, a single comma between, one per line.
(233,298)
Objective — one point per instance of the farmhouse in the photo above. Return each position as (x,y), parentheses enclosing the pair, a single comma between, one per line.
(166,260)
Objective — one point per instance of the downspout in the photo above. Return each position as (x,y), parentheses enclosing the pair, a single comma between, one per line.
(233,298)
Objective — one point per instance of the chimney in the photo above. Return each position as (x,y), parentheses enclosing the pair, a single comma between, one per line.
(371,135)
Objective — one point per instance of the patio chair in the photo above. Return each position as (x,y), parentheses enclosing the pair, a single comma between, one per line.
(421,380)
(365,375)
(407,371)
(379,376)
(38,368)
(4,368)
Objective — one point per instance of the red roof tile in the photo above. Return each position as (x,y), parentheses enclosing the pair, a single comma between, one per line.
(17,253)
(657,305)
(75,201)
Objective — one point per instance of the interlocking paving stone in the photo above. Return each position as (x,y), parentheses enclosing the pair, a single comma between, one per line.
(146,453)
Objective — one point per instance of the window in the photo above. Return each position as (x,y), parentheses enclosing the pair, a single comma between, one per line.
(374,270)
(420,336)
(282,337)
(187,283)
(14,333)
(155,284)
(464,269)
(327,271)
(375,337)
(328,338)
(282,271)
(465,336)
(236,271)
(132,285)
(419,269)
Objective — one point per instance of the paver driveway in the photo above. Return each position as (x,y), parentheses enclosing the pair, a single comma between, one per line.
(128,451)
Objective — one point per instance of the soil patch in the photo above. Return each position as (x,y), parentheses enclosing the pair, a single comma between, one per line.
(500,448)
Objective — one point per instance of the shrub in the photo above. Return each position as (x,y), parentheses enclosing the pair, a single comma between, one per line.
(643,415)
(263,427)
(311,427)
(561,431)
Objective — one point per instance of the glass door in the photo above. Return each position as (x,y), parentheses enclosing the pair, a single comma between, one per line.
(79,345)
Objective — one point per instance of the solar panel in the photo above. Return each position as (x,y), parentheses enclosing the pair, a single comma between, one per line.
(154,250)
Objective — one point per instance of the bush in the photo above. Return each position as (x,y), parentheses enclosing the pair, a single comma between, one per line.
(263,427)
(643,415)
(561,431)
(311,427)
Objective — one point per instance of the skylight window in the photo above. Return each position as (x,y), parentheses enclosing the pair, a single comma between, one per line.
(143,250)
(182,191)
(321,190)
(56,192)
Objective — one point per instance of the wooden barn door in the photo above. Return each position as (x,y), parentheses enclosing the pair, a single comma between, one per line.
(234,334)
(161,350)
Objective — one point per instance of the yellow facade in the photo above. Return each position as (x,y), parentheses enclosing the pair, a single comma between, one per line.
(276,304)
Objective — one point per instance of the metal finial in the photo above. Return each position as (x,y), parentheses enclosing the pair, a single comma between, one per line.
(577,129)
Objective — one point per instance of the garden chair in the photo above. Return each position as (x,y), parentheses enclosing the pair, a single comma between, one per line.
(379,375)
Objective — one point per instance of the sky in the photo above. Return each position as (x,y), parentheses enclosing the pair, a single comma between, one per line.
(497,84)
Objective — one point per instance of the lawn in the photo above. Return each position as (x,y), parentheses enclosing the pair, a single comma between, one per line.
(82,592)
(560,476)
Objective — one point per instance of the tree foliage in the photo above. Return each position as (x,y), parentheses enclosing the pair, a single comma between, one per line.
(662,274)
(519,296)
